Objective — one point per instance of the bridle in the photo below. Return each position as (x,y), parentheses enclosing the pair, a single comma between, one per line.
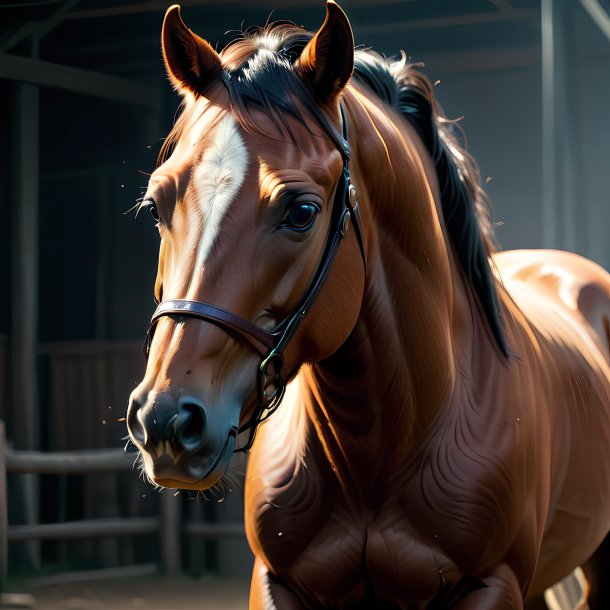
(270,383)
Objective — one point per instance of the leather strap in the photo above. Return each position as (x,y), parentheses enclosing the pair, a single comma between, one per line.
(219,316)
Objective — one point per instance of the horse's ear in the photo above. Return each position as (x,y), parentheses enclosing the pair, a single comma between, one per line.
(327,61)
(191,62)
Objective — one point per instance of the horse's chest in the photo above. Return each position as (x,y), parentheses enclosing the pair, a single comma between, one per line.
(381,565)
(338,556)
(400,566)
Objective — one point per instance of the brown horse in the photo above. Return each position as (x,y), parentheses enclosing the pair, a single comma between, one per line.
(444,438)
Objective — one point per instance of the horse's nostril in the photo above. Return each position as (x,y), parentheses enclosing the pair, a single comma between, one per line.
(134,425)
(190,427)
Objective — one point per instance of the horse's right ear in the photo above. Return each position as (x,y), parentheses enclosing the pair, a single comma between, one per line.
(192,64)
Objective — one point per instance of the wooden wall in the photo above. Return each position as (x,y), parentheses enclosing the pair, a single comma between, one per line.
(3,377)
(89,383)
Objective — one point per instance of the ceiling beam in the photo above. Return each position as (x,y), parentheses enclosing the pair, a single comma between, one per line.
(78,80)
(505,10)
(36,29)
(160,6)
(599,15)
(451,21)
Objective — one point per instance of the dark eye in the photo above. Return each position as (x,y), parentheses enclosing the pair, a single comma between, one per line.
(301,217)
(152,208)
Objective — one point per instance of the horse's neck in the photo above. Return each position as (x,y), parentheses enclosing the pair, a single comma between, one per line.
(386,386)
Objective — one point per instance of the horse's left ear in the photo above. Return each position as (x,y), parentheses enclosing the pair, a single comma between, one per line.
(327,61)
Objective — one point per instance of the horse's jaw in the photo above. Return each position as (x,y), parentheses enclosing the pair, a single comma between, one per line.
(177,456)
(198,472)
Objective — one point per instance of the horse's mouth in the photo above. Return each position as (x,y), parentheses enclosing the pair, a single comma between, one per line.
(191,472)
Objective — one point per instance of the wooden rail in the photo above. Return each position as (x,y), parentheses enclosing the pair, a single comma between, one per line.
(85,528)
(166,525)
(67,462)
(82,462)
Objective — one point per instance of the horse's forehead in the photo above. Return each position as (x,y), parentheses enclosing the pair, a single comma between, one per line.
(212,135)
(301,152)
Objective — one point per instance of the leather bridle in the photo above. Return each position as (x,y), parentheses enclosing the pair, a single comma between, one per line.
(271,384)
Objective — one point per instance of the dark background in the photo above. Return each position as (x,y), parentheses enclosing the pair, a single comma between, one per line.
(76,292)
(94,152)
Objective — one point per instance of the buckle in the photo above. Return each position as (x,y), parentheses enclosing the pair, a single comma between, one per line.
(270,378)
(344,223)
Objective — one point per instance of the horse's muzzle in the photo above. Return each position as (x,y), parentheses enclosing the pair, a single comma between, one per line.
(182,424)
(179,443)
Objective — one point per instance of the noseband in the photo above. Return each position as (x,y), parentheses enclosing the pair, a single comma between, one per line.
(271,384)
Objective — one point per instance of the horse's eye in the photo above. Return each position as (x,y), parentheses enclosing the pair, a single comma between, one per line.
(154,212)
(301,217)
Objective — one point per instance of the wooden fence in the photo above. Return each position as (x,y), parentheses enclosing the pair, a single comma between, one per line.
(167,525)
(81,462)
(85,387)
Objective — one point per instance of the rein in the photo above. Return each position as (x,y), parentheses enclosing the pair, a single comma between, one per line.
(270,382)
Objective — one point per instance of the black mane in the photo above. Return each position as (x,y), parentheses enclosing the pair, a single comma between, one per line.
(464,204)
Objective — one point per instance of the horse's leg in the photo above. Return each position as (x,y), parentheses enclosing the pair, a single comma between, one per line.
(266,594)
(597,572)
(502,592)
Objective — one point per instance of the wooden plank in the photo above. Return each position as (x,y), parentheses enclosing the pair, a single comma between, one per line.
(24,297)
(133,571)
(3,512)
(215,530)
(87,528)
(3,376)
(25,270)
(68,462)
(58,429)
(77,80)
(171,551)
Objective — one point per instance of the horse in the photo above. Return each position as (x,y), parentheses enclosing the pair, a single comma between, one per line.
(436,412)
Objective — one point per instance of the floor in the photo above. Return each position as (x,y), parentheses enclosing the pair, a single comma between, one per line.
(153,592)
(126,594)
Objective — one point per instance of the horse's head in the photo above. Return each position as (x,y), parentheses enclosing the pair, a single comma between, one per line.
(251,206)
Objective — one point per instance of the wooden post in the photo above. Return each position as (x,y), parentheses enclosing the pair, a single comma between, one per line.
(558,192)
(235,558)
(3,513)
(24,316)
(170,532)
(25,267)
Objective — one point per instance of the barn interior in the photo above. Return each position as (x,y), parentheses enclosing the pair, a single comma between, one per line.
(84,107)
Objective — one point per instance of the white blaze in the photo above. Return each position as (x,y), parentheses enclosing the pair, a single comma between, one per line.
(218,178)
